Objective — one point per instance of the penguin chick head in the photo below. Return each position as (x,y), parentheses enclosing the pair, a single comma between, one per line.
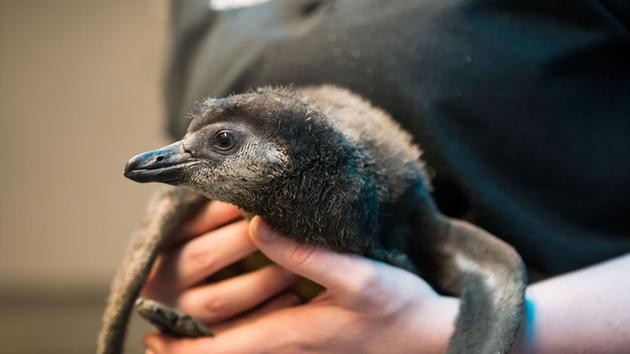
(274,154)
(258,149)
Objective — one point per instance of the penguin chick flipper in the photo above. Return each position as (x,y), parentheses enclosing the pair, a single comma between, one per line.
(170,321)
(167,210)
(485,272)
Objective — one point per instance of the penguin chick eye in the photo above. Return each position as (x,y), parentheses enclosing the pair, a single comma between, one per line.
(224,140)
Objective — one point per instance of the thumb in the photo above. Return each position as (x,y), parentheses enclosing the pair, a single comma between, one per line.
(336,272)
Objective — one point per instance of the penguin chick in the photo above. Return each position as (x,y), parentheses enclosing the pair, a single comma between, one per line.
(324,167)
(278,154)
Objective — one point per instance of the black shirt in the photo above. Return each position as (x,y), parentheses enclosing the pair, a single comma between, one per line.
(522,107)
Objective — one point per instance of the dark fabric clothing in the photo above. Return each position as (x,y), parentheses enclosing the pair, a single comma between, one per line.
(522,107)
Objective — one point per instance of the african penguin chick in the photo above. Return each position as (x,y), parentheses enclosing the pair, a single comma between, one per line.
(298,158)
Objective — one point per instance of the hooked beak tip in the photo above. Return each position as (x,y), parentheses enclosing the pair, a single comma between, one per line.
(168,165)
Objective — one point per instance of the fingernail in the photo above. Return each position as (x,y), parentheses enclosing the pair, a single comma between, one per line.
(262,231)
(293,300)
(149,351)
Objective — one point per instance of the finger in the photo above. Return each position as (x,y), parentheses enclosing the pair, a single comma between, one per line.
(213,215)
(267,335)
(157,343)
(280,302)
(226,299)
(198,259)
(339,273)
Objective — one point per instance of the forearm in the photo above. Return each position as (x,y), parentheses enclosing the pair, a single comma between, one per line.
(586,311)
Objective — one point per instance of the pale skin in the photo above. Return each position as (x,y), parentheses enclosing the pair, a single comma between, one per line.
(368,307)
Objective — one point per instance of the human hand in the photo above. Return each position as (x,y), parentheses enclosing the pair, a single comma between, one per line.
(214,239)
(367,307)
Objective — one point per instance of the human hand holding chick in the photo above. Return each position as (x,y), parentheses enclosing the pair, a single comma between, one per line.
(367,307)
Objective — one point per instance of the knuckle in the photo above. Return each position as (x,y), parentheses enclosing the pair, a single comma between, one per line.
(285,300)
(295,348)
(298,345)
(291,300)
(215,310)
(295,340)
(206,308)
(199,260)
(366,283)
(302,254)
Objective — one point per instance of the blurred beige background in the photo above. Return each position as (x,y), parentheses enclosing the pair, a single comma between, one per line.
(80,92)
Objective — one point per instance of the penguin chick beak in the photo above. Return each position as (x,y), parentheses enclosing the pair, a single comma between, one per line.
(169,164)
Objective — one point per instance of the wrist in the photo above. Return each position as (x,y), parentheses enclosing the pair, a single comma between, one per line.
(526,338)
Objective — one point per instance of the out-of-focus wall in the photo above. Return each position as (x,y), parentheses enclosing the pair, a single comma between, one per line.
(80,92)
